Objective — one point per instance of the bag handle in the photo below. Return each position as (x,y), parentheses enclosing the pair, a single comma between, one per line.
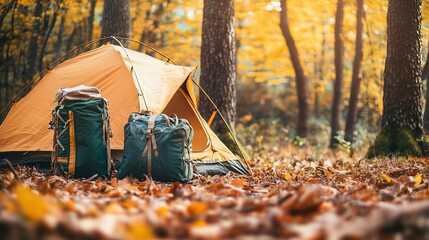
(176,119)
(167,119)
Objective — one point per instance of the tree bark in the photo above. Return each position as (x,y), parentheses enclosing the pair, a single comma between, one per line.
(218,62)
(355,88)
(402,123)
(338,84)
(425,76)
(116,20)
(34,42)
(320,76)
(301,81)
(51,26)
(91,16)
(59,42)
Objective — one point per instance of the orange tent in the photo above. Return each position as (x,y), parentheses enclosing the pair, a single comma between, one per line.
(131,82)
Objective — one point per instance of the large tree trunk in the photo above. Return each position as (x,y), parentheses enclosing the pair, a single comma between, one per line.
(402,123)
(355,88)
(338,84)
(301,81)
(116,20)
(218,62)
(425,76)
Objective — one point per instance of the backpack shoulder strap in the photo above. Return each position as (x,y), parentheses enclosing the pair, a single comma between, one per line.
(151,144)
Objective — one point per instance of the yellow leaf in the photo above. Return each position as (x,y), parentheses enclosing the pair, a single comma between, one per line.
(287,176)
(139,230)
(32,205)
(387,178)
(417,180)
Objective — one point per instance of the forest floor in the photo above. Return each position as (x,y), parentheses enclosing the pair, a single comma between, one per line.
(291,194)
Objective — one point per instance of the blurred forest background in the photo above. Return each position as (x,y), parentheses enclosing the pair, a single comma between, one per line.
(34,33)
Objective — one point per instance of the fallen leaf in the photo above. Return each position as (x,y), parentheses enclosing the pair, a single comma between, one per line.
(238,183)
(387,178)
(287,176)
(418,180)
(31,205)
(197,208)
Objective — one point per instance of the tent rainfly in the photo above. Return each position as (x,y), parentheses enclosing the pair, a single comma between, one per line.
(124,76)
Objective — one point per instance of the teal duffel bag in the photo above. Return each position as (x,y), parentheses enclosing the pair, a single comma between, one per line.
(81,133)
(157,146)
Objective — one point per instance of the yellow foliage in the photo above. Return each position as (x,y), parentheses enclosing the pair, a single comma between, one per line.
(139,230)
(418,180)
(31,205)
(387,178)
(287,176)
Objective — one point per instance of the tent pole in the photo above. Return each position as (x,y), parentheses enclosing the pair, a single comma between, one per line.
(226,124)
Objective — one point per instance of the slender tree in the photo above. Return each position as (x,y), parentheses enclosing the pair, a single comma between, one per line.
(402,124)
(59,43)
(91,16)
(320,69)
(301,81)
(218,61)
(116,19)
(338,84)
(50,27)
(34,42)
(355,88)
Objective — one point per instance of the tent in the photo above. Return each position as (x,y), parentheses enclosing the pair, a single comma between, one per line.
(131,82)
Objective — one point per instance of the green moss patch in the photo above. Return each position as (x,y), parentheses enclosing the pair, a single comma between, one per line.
(393,140)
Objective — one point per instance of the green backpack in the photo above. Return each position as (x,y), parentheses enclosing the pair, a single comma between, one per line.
(157,146)
(81,133)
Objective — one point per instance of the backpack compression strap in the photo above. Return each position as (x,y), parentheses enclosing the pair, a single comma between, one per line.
(151,143)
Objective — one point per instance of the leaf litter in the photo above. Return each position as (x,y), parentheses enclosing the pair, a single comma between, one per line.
(333,197)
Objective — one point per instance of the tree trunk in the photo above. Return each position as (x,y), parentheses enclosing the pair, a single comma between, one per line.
(59,42)
(402,123)
(71,38)
(320,76)
(301,81)
(34,42)
(51,26)
(218,62)
(425,76)
(338,84)
(5,10)
(145,32)
(355,88)
(116,20)
(91,16)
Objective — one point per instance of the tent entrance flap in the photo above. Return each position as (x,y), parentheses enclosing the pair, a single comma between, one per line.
(183,108)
